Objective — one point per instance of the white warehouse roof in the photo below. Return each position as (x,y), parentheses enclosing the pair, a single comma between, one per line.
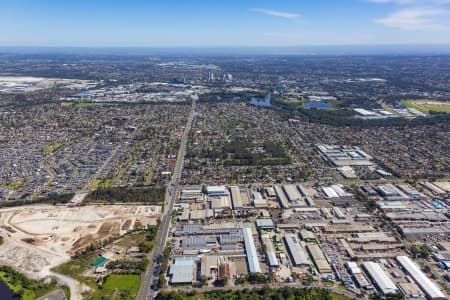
(250,250)
(297,252)
(430,288)
(380,277)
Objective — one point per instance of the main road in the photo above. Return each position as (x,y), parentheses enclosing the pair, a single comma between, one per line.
(145,291)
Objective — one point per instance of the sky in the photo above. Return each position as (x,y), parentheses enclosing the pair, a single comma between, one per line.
(226,23)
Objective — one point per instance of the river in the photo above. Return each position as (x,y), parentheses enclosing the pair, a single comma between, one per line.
(6,293)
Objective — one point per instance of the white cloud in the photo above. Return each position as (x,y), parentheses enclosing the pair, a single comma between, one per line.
(274,13)
(414,19)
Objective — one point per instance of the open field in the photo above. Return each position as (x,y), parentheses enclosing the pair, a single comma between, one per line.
(119,287)
(426,105)
(89,104)
(52,148)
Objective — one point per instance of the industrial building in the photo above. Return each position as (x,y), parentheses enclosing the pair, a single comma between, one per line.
(296,251)
(270,252)
(236,197)
(319,259)
(293,195)
(217,191)
(192,193)
(341,156)
(336,191)
(430,288)
(264,224)
(380,278)
(183,270)
(284,202)
(250,250)
(220,202)
(258,200)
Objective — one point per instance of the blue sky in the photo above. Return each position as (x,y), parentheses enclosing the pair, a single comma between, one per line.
(213,23)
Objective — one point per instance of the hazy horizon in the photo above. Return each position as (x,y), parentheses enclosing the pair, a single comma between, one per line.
(200,23)
(377,49)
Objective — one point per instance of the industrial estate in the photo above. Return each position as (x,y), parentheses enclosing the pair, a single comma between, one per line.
(160,177)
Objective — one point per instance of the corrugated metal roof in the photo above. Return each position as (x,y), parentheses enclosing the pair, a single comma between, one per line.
(380,277)
(429,287)
(297,252)
(250,249)
(182,269)
(273,261)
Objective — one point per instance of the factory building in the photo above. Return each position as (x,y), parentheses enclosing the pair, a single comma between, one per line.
(430,288)
(264,224)
(192,194)
(217,191)
(296,251)
(319,259)
(258,200)
(284,202)
(183,270)
(293,195)
(250,250)
(270,252)
(338,213)
(236,197)
(336,191)
(380,278)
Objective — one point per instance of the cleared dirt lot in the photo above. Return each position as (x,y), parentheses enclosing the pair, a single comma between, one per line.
(38,238)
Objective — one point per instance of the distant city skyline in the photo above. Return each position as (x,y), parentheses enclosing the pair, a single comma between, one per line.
(201,23)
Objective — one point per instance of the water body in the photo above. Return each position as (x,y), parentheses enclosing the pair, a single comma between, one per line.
(317,105)
(266,102)
(6,293)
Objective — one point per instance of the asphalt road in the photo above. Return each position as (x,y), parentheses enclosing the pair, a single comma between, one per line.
(145,291)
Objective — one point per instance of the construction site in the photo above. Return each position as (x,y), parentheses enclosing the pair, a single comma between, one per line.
(38,238)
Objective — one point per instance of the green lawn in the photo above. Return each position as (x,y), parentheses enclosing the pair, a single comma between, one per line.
(427,105)
(118,287)
(52,148)
(89,104)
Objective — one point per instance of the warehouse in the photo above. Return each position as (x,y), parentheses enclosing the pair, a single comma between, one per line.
(192,193)
(430,288)
(296,251)
(380,278)
(284,203)
(292,192)
(338,212)
(345,155)
(209,265)
(319,259)
(183,269)
(250,250)
(258,200)
(270,252)
(217,191)
(410,290)
(236,197)
(293,195)
(220,202)
(264,224)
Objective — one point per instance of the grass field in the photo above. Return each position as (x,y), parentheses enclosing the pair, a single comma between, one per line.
(52,148)
(118,287)
(88,104)
(426,105)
